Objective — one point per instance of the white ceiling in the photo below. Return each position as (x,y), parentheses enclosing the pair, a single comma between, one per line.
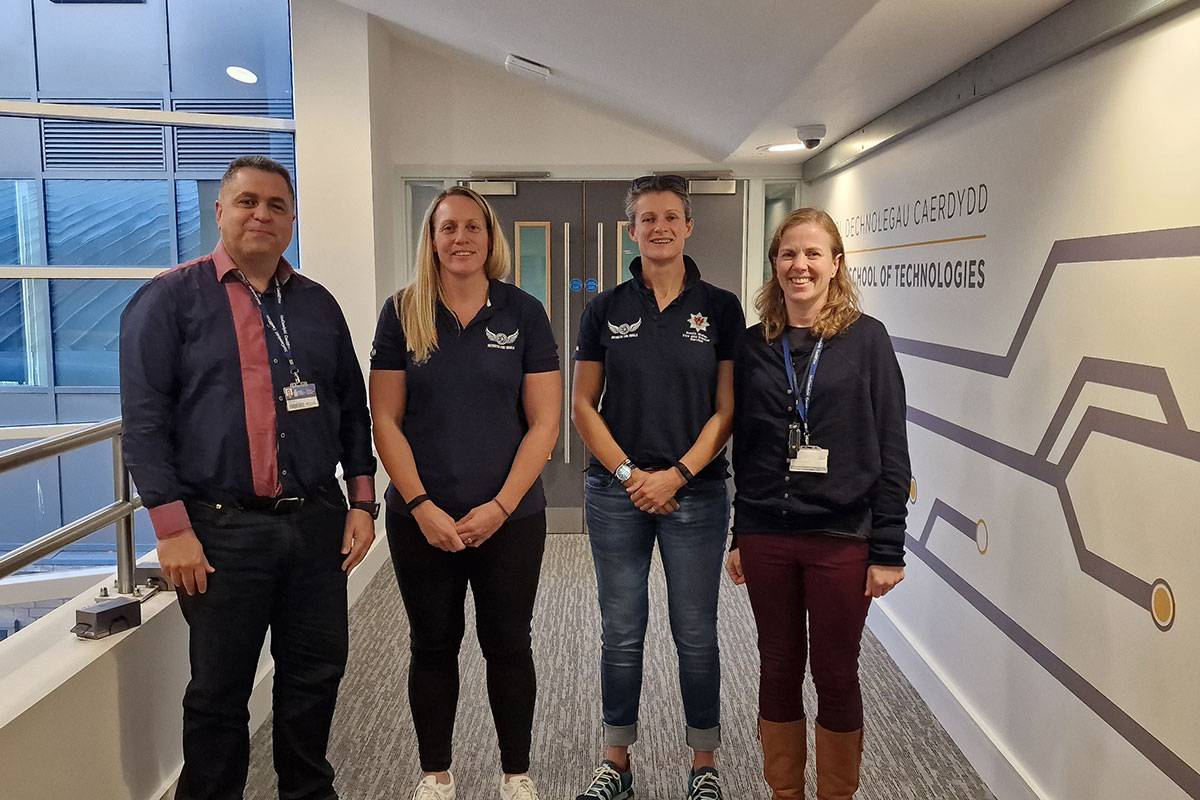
(725,77)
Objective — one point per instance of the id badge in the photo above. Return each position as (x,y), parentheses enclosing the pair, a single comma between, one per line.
(810,459)
(300,396)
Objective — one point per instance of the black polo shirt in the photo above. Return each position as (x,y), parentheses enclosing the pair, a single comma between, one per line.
(464,417)
(660,368)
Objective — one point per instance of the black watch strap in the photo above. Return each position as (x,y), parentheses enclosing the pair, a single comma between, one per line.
(370,508)
(684,471)
(416,501)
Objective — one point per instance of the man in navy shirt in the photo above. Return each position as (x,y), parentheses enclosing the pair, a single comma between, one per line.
(241,394)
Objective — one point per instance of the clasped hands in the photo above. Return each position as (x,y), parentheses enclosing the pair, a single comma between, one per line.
(445,533)
(654,492)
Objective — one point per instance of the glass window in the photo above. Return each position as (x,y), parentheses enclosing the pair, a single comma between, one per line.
(197,223)
(100,49)
(208,39)
(85,320)
(118,223)
(14,368)
(20,239)
(16,43)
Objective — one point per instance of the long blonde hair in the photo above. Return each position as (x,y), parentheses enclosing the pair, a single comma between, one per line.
(416,304)
(841,304)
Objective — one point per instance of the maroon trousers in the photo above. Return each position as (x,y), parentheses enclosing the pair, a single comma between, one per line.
(799,578)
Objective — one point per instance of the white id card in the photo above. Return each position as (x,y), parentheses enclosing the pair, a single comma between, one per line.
(300,396)
(810,459)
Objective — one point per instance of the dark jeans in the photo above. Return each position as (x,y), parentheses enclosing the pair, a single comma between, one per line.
(281,572)
(503,574)
(691,541)
(791,574)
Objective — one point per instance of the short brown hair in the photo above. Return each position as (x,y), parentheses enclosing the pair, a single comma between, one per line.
(262,163)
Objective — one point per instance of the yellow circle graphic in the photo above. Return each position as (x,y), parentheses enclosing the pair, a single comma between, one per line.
(981,536)
(1162,604)
(912,490)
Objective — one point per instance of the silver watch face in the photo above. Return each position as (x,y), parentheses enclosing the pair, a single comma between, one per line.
(623,472)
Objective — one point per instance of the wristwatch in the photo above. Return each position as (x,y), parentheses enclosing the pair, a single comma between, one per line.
(624,470)
(370,508)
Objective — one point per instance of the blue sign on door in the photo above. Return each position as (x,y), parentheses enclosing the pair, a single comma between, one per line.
(576,285)
(591,285)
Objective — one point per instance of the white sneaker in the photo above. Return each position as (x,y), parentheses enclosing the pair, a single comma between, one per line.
(430,789)
(518,787)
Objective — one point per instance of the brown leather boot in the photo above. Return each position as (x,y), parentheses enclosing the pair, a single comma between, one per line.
(785,751)
(839,756)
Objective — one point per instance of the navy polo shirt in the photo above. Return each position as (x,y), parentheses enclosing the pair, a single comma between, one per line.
(464,417)
(660,368)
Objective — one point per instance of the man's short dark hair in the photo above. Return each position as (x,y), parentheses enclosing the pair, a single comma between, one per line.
(263,163)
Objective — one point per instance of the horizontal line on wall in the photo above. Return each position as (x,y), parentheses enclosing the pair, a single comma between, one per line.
(919,244)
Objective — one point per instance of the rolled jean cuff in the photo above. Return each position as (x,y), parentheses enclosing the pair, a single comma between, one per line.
(704,740)
(620,735)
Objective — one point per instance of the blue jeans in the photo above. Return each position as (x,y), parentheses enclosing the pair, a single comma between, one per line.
(691,541)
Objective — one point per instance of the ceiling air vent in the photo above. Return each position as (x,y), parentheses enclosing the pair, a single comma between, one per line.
(116,146)
(211,149)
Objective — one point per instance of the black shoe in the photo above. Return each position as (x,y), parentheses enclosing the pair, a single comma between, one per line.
(609,783)
(704,784)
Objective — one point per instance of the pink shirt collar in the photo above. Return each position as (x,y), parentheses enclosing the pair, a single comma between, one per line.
(224,264)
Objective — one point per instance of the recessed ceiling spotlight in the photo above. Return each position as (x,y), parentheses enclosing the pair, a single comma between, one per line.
(790,147)
(241,74)
(526,68)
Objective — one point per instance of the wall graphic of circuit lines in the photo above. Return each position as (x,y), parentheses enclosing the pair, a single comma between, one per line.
(1171,436)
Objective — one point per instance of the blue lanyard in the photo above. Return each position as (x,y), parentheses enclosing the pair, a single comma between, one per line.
(285,341)
(803,404)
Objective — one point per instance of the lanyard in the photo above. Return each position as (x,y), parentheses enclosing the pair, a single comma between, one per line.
(285,341)
(803,404)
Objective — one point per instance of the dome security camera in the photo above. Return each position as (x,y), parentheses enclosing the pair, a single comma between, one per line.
(810,135)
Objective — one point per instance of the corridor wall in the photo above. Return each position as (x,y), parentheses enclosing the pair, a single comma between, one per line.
(1036,258)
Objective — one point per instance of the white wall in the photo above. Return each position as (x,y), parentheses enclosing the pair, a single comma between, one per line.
(451,114)
(1070,679)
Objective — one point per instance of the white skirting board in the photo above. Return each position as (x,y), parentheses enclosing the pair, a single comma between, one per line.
(994,764)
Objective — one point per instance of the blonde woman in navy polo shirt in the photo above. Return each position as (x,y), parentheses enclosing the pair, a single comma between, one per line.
(820,456)
(465,397)
(659,349)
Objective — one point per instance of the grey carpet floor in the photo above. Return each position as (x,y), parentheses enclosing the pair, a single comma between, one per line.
(373,748)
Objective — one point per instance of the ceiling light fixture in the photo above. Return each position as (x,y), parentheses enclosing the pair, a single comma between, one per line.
(241,74)
(526,68)
(810,137)
(790,147)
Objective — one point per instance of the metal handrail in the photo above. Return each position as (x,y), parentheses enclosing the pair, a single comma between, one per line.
(120,511)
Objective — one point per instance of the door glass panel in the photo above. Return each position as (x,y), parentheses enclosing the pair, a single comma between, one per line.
(533,259)
(779,201)
(627,251)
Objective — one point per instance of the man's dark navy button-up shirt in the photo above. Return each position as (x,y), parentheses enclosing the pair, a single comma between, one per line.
(202,398)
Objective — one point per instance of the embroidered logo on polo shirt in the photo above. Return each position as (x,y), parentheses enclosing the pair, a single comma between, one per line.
(501,341)
(626,330)
(698,324)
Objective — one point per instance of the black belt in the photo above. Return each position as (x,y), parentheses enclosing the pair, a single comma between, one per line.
(265,505)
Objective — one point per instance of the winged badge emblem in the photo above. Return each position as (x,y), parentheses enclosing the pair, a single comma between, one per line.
(502,339)
(625,328)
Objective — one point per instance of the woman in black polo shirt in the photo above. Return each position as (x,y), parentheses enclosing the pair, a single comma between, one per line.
(821,468)
(659,349)
(465,398)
